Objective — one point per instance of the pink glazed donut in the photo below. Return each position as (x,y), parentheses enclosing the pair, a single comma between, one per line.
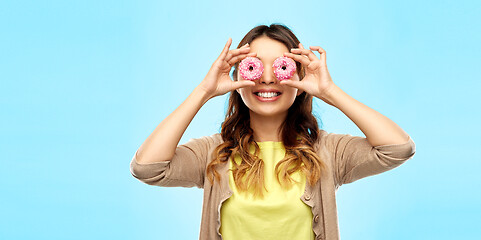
(251,68)
(284,68)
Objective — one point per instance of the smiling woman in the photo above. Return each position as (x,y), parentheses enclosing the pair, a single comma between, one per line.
(270,173)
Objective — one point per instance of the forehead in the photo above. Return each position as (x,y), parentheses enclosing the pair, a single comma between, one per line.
(268,49)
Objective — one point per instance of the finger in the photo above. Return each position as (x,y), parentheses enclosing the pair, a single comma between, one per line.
(305,52)
(295,84)
(300,58)
(242,84)
(237,58)
(245,45)
(317,48)
(302,47)
(225,50)
(236,52)
(240,50)
(321,51)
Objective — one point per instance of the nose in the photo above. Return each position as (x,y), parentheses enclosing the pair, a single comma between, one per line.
(268,76)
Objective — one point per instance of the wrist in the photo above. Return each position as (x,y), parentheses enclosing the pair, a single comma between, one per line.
(331,94)
(202,94)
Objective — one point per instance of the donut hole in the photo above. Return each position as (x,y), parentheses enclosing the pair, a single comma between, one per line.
(284,67)
(251,68)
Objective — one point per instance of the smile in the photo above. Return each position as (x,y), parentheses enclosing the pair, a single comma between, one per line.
(267,96)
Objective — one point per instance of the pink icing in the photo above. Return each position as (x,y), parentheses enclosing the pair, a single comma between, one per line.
(251,68)
(284,68)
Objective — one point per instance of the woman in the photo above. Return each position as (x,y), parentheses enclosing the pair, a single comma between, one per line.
(271,173)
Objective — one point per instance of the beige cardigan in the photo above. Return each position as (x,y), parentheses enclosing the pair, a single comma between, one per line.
(347,157)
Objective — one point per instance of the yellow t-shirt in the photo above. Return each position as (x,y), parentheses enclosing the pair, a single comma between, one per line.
(279,215)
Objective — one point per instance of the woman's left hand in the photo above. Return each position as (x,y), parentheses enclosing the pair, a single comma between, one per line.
(317,80)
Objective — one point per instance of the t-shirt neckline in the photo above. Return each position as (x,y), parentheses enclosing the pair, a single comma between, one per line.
(271,144)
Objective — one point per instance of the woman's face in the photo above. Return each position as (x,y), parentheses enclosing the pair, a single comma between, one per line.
(268,50)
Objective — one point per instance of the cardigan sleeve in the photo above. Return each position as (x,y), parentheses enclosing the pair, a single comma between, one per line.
(355,158)
(185,169)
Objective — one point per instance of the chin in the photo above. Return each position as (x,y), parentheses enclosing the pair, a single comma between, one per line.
(268,112)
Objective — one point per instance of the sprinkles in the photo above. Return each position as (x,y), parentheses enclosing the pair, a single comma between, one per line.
(284,68)
(251,68)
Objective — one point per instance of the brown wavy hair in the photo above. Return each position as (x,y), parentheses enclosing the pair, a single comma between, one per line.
(238,135)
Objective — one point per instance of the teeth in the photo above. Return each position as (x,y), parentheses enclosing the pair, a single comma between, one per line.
(267,94)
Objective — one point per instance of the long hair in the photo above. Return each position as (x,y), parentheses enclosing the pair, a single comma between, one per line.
(299,131)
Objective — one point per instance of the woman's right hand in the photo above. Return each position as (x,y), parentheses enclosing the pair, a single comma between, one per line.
(217,81)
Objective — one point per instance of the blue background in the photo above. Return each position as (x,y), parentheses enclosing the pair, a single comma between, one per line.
(83,83)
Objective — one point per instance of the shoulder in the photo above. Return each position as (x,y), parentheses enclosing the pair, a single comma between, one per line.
(322,135)
(214,140)
(328,140)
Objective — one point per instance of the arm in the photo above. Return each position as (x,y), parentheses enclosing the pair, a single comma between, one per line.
(379,129)
(162,142)
(160,162)
(385,147)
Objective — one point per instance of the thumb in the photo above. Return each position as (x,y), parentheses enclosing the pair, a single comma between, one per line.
(224,52)
(242,84)
(294,84)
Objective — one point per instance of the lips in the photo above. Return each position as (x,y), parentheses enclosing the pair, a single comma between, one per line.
(268,94)
(267,99)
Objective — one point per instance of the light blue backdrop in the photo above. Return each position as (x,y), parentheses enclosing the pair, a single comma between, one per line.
(83,83)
